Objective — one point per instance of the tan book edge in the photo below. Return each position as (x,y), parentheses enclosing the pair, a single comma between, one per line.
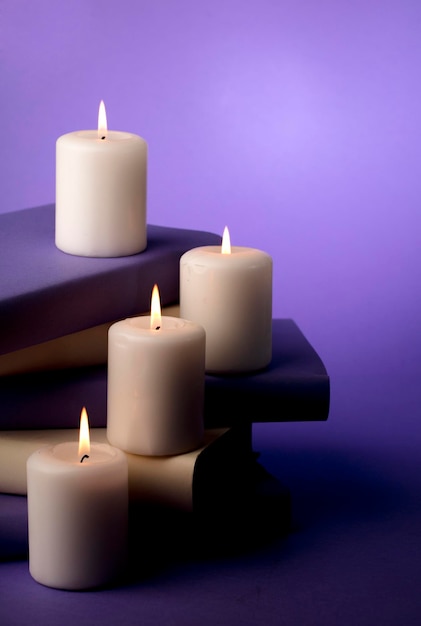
(84,348)
(165,481)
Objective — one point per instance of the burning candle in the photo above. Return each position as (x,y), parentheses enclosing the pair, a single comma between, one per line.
(77,513)
(101,192)
(156,382)
(228,290)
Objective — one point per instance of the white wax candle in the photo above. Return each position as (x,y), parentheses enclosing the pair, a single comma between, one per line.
(101,193)
(77,515)
(156,382)
(230,295)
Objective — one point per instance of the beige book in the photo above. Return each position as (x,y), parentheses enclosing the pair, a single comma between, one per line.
(169,481)
(84,348)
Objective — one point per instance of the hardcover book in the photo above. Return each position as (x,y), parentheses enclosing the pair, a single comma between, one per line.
(224,459)
(46,293)
(294,387)
(209,493)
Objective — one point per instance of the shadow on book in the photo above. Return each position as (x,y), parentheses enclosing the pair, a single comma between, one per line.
(213,502)
(226,522)
(229,524)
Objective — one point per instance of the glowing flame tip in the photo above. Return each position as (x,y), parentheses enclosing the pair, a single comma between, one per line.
(84,439)
(102,121)
(226,242)
(155,309)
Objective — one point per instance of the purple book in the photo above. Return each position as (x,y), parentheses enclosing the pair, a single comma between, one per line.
(45,293)
(294,387)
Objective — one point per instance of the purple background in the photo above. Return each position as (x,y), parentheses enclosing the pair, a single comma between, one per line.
(297,124)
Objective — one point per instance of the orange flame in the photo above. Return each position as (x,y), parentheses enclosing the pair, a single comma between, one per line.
(226,242)
(102,121)
(84,439)
(156,319)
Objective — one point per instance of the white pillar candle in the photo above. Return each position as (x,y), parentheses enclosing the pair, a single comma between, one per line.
(101,192)
(77,515)
(228,290)
(156,383)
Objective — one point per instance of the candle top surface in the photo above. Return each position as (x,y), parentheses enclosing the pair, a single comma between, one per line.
(217,250)
(109,136)
(169,327)
(239,255)
(64,454)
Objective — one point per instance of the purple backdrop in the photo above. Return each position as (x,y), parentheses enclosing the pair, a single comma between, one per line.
(296,123)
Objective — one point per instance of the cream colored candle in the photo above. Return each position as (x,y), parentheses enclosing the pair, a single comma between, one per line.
(156,382)
(77,514)
(101,192)
(228,290)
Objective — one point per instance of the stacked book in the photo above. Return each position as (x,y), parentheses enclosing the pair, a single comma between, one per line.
(55,312)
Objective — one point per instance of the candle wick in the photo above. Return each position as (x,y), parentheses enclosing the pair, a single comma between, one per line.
(157,327)
(103,137)
(85,456)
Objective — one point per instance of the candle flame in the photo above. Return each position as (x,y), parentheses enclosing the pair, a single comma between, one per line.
(102,121)
(155,309)
(226,242)
(84,439)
